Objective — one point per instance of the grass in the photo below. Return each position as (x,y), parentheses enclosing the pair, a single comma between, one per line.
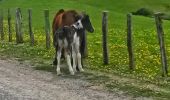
(146,48)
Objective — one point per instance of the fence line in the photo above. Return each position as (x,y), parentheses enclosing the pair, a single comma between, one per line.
(30,26)
(160,33)
(47,28)
(19,35)
(9,25)
(130,42)
(1,24)
(105,32)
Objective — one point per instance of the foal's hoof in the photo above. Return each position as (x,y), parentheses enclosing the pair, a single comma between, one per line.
(58,72)
(75,70)
(72,73)
(82,70)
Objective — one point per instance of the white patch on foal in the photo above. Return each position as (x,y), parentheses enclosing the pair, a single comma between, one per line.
(76,48)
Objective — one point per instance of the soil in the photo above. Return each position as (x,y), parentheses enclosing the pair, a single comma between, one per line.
(20,81)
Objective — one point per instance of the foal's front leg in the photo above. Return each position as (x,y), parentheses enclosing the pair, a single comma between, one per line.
(78,54)
(79,62)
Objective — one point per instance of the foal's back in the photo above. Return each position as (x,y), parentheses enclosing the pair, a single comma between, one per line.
(64,18)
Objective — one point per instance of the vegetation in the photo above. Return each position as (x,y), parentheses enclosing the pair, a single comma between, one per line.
(145,42)
(149,13)
(144,12)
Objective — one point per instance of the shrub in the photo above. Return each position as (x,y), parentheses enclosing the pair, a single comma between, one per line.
(149,13)
(144,12)
(165,16)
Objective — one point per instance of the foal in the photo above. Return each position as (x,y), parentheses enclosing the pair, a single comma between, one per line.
(69,40)
(67,18)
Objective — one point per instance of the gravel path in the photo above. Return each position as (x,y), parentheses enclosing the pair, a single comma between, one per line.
(22,82)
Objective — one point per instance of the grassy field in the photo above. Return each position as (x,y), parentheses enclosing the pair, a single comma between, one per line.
(146,48)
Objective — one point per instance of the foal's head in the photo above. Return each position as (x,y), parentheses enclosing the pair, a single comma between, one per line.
(87,23)
(78,24)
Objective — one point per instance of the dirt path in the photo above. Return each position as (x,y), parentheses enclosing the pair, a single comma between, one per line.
(22,82)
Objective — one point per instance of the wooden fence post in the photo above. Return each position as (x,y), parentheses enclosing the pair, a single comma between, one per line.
(9,26)
(130,42)
(1,24)
(160,33)
(19,34)
(105,31)
(30,26)
(47,28)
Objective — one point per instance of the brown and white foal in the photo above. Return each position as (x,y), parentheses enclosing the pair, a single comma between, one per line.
(67,38)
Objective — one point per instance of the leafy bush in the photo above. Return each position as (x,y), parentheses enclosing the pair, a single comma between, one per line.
(144,12)
(149,13)
(165,16)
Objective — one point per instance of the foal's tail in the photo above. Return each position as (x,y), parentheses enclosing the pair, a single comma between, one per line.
(54,26)
(60,11)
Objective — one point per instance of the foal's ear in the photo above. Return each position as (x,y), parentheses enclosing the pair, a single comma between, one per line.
(85,15)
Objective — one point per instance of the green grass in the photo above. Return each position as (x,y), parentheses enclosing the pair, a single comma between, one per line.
(146,48)
(117,10)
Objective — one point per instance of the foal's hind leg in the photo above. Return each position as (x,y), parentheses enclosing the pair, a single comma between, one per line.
(58,61)
(69,63)
(74,60)
(79,62)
